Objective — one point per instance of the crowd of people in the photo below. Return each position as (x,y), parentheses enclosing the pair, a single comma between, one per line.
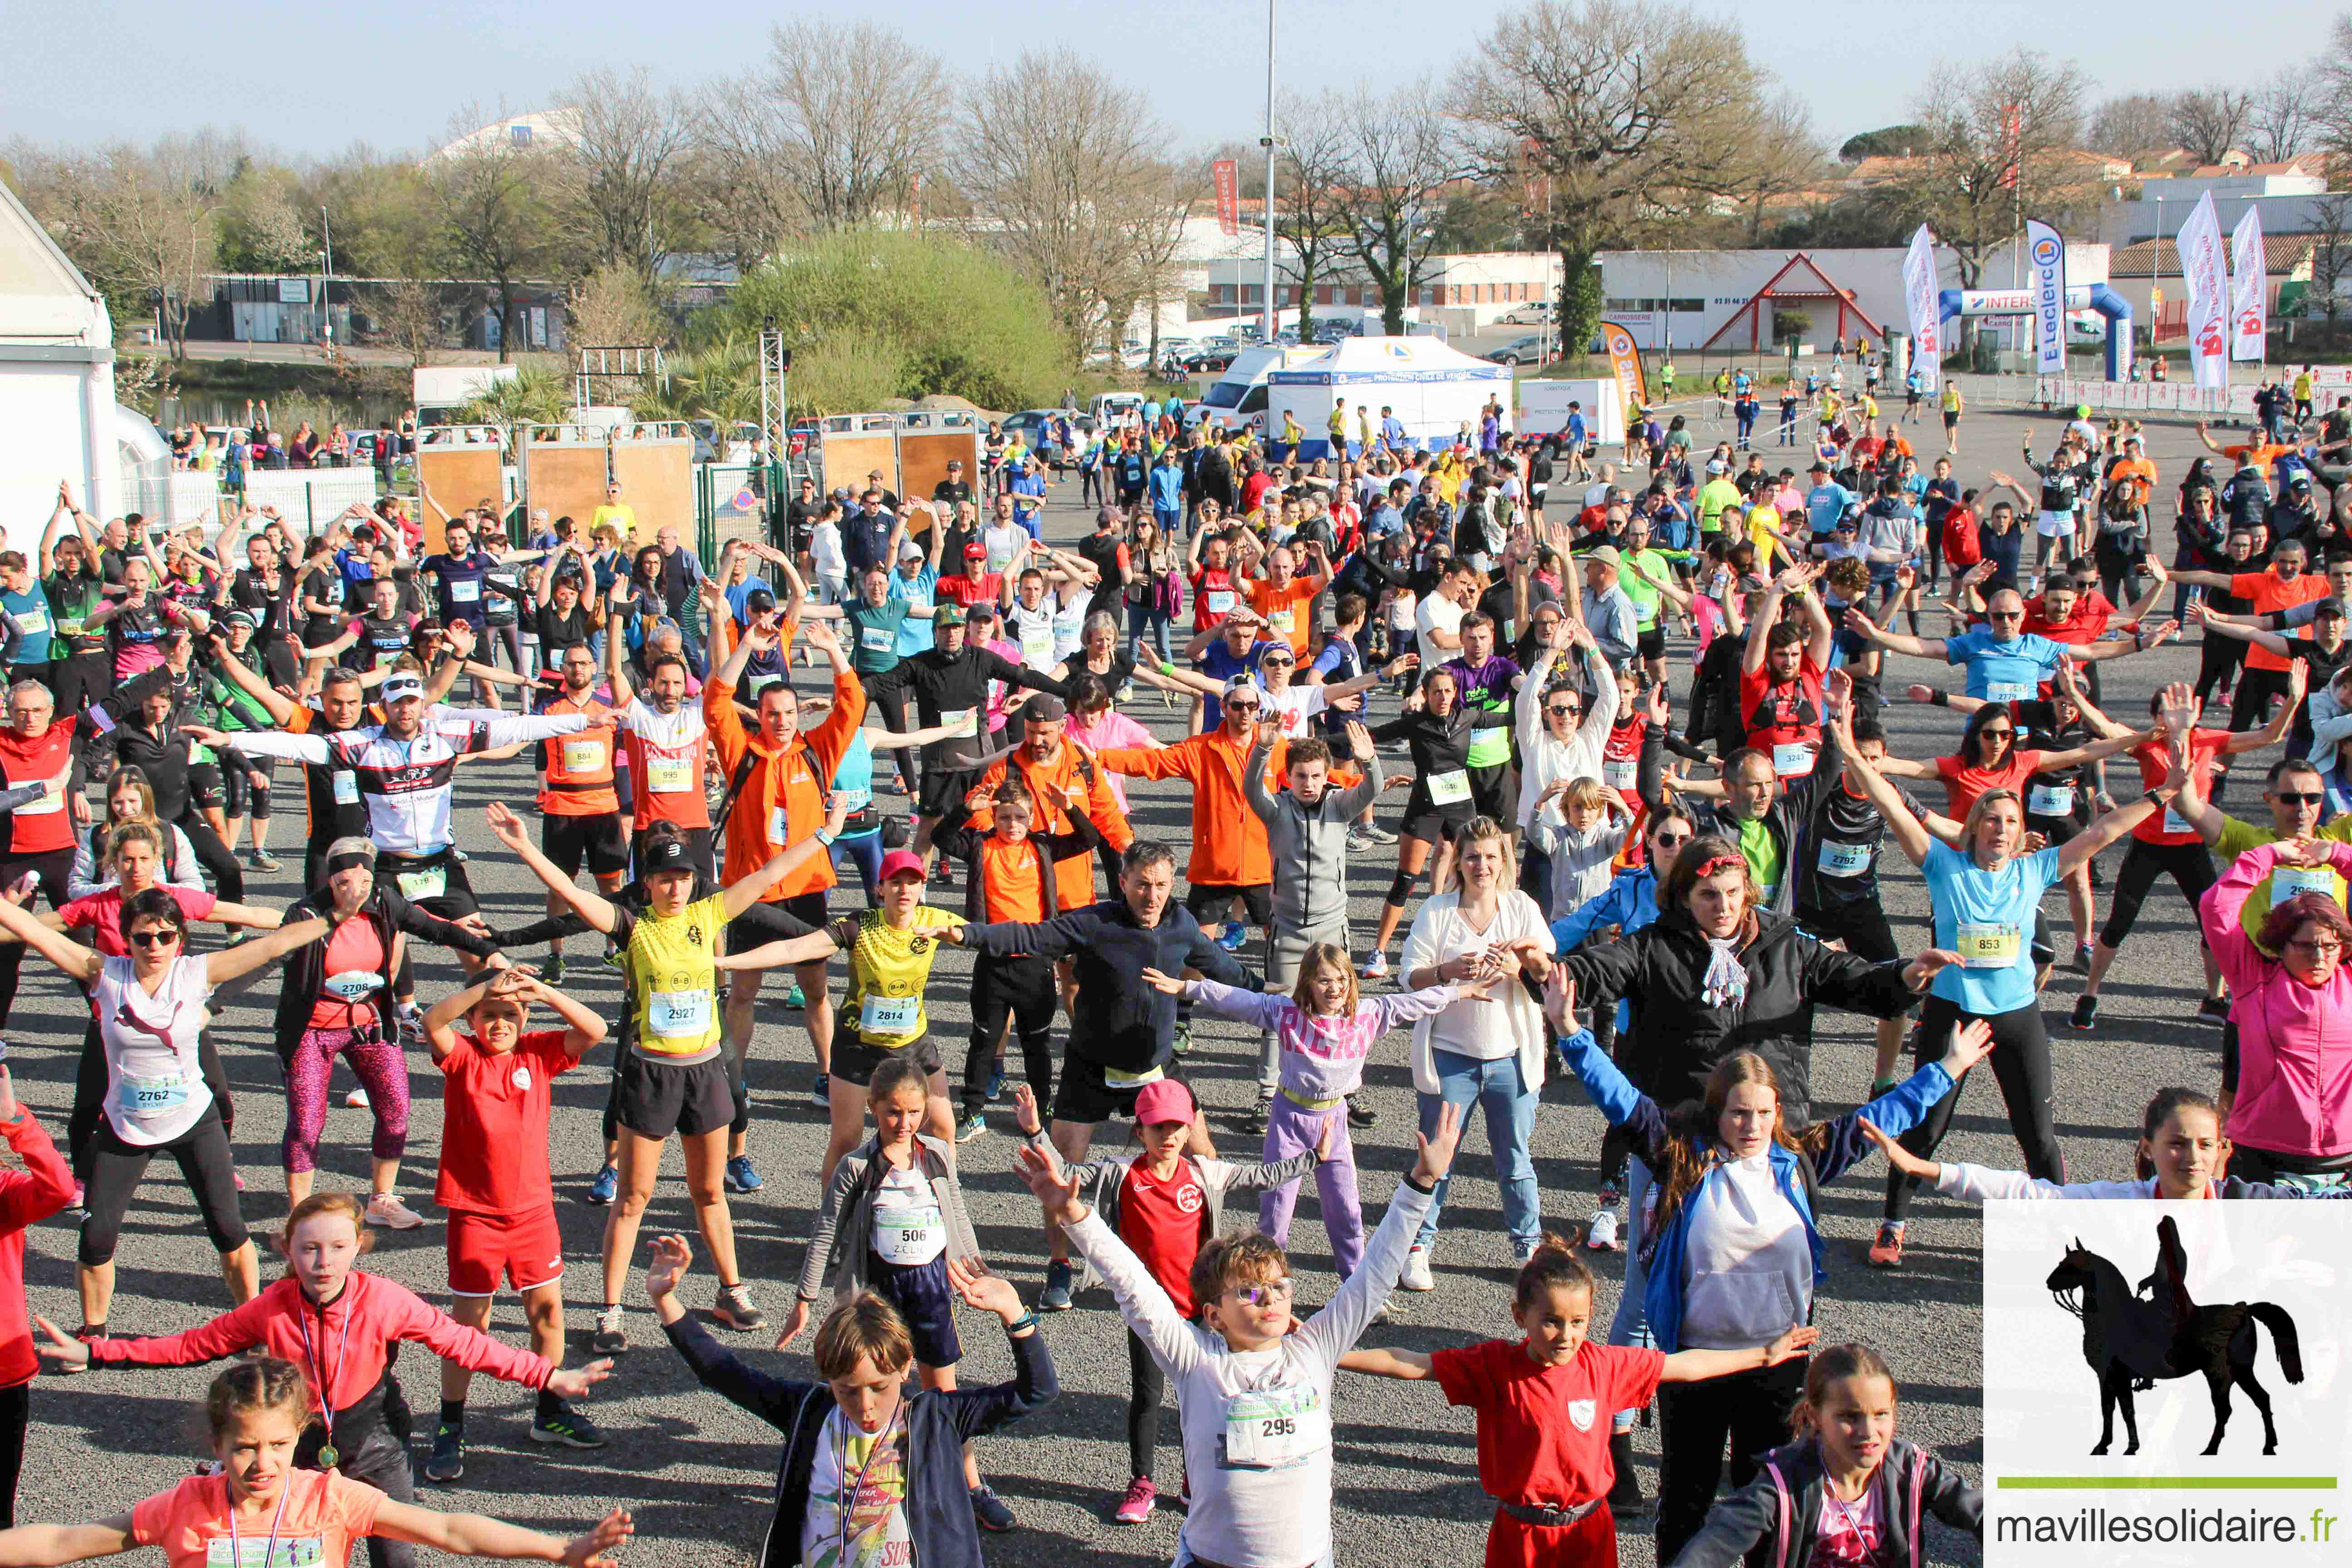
(1608,865)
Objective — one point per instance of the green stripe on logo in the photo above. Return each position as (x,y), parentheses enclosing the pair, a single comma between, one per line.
(2167,1483)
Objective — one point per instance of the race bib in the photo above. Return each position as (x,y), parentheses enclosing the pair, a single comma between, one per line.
(1449,788)
(777,825)
(876,639)
(963,721)
(1283,620)
(1037,648)
(146,1098)
(1989,944)
(465,591)
(2292,881)
(1220,601)
(909,1238)
(1114,1078)
(1268,1428)
(69,626)
(268,1552)
(53,799)
(889,1015)
(32,620)
(584,756)
(347,788)
(2176,823)
(1619,772)
(2050,800)
(2007,691)
(1792,758)
(669,775)
(429,883)
(1844,859)
(677,1015)
(352,985)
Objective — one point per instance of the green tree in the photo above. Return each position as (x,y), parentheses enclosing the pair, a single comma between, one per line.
(1888,141)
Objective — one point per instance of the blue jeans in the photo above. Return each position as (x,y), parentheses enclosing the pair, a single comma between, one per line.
(1510,1107)
(1631,1325)
(1147,616)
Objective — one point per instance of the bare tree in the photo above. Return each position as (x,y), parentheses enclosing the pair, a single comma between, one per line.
(2331,254)
(1060,164)
(1626,116)
(1159,243)
(408,315)
(620,180)
(1402,154)
(836,130)
(2208,120)
(2002,137)
(1311,172)
(1788,159)
(143,224)
(491,199)
(2135,124)
(2334,109)
(2284,119)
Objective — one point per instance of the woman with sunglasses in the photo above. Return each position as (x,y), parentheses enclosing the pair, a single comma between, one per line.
(1563,734)
(150,1008)
(1987,898)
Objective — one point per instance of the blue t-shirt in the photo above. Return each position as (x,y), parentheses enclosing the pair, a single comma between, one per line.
(915,631)
(1168,488)
(738,598)
(457,590)
(1221,663)
(2009,671)
(30,612)
(854,778)
(1824,504)
(1987,917)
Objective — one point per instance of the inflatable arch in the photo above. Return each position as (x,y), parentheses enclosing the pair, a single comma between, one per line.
(1953,303)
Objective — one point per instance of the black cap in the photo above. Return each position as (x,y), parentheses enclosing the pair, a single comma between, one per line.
(1044,709)
(664,854)
(760,599)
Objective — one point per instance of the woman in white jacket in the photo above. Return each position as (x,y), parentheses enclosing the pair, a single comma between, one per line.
(1561,729)
(1488,1052)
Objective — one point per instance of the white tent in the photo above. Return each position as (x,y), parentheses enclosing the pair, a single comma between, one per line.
(1431,388)
(57,415)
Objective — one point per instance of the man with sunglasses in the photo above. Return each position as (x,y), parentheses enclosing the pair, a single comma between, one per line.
(2005,662)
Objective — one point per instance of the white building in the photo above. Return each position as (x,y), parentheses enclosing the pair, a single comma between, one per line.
(1462,292)
(2289,196)
(533,131)
(1710,297)
(57,383)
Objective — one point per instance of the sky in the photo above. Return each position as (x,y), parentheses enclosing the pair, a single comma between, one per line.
(311,81)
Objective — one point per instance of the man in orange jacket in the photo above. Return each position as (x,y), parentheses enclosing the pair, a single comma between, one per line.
(1065,781)
(777,781)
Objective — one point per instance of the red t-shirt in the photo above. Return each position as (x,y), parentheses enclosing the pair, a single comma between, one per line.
(2204,748)
(1963,783)
(1781,716)
(1212,584)
(1161,1223)
(355,973)
(102,914)
(494,1112)
(42,826)
(2085,624)
(1543,1431)
(1254,489)
(324,1513)
(985,589)
(2271,596)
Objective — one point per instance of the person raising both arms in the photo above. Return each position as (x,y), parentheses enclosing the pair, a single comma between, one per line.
(2005,664)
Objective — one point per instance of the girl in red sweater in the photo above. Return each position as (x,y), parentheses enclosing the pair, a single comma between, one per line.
(26,1197)
(338,1325)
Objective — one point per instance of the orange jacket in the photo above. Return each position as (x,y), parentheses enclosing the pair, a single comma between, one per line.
(783,800)
(1229,847)
(1075,780)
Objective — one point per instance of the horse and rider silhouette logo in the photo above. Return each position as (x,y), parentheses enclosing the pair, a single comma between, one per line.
(2132,1339)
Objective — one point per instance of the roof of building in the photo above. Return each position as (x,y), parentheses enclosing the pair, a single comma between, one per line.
(2282,253)
(43,298)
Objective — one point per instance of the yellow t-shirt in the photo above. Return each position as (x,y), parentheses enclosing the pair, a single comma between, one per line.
(888,967)
(2285,881)
(1764,532)
(622,517)
(673,998)
(1716,498)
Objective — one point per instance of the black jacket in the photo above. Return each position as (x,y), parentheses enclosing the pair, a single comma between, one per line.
(1909,1482)
(1677,1039)
(1787,821)
(940,1422)
(306,967)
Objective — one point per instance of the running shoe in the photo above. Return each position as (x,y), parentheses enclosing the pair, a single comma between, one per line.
(741,1178)
(387,1209)
(988,1510)
(793,999)
(821,1092)
(77,1207)
(1886,1252)
(239,1177)
(568,1426)
(1601,1236)
(2086,1013)
(606,1186)
(612,1337)
(1883,1086)
(1523,1249)
(551,971)
(357,1100)
(2213,1010)
(1182,1041)
(1416,1275)
(1380,834)
(1359,840)
(993,1092)
(1360,1116)
(262,860)
(2083,958)
(1136,1506)
(1254,1121)
(1231,937)
(970,1126)
(735,1308)
(447,1461)
(1378,969)
(1055,1296)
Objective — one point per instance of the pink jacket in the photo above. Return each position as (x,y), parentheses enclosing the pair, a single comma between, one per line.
(352,1335)
(2295,1041)
(1112,729)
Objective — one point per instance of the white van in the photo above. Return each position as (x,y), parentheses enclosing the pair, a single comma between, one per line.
(1112,409)
(1237,399)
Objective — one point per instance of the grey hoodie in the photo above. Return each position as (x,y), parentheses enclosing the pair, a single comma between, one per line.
(1309,844)
(844,1226)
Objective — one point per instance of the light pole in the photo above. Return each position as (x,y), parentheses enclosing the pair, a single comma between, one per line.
(326,276)
(1267,142)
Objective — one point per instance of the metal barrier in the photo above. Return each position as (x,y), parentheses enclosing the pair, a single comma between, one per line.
(2129,398)
(734,501)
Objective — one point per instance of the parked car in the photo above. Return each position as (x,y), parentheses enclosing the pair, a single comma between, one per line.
(1029,423)
(1528,350)
(1530,315)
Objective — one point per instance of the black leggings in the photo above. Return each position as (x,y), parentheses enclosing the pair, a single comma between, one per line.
(53,867)
(2190,865)
(2020,1066)
(16,1411)
(114,1170)
(1749,1408)
(1146,1384)
(2221,659)
(1023,990)
(244,797)
(2249,709)
(80,680)
(228,877)
(372,1436)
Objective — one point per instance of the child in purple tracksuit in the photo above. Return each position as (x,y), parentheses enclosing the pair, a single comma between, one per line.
(1323,1032)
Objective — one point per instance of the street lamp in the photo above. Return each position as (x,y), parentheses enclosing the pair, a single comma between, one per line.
(1267,142)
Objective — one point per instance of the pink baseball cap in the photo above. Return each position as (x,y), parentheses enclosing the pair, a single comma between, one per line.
(901,863)
(1164,1099)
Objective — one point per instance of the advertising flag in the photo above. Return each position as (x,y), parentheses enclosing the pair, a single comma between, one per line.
(2250,295)
(1625,360)
(2045,262)
(1919,293)
(2206,273)
(1228,176)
